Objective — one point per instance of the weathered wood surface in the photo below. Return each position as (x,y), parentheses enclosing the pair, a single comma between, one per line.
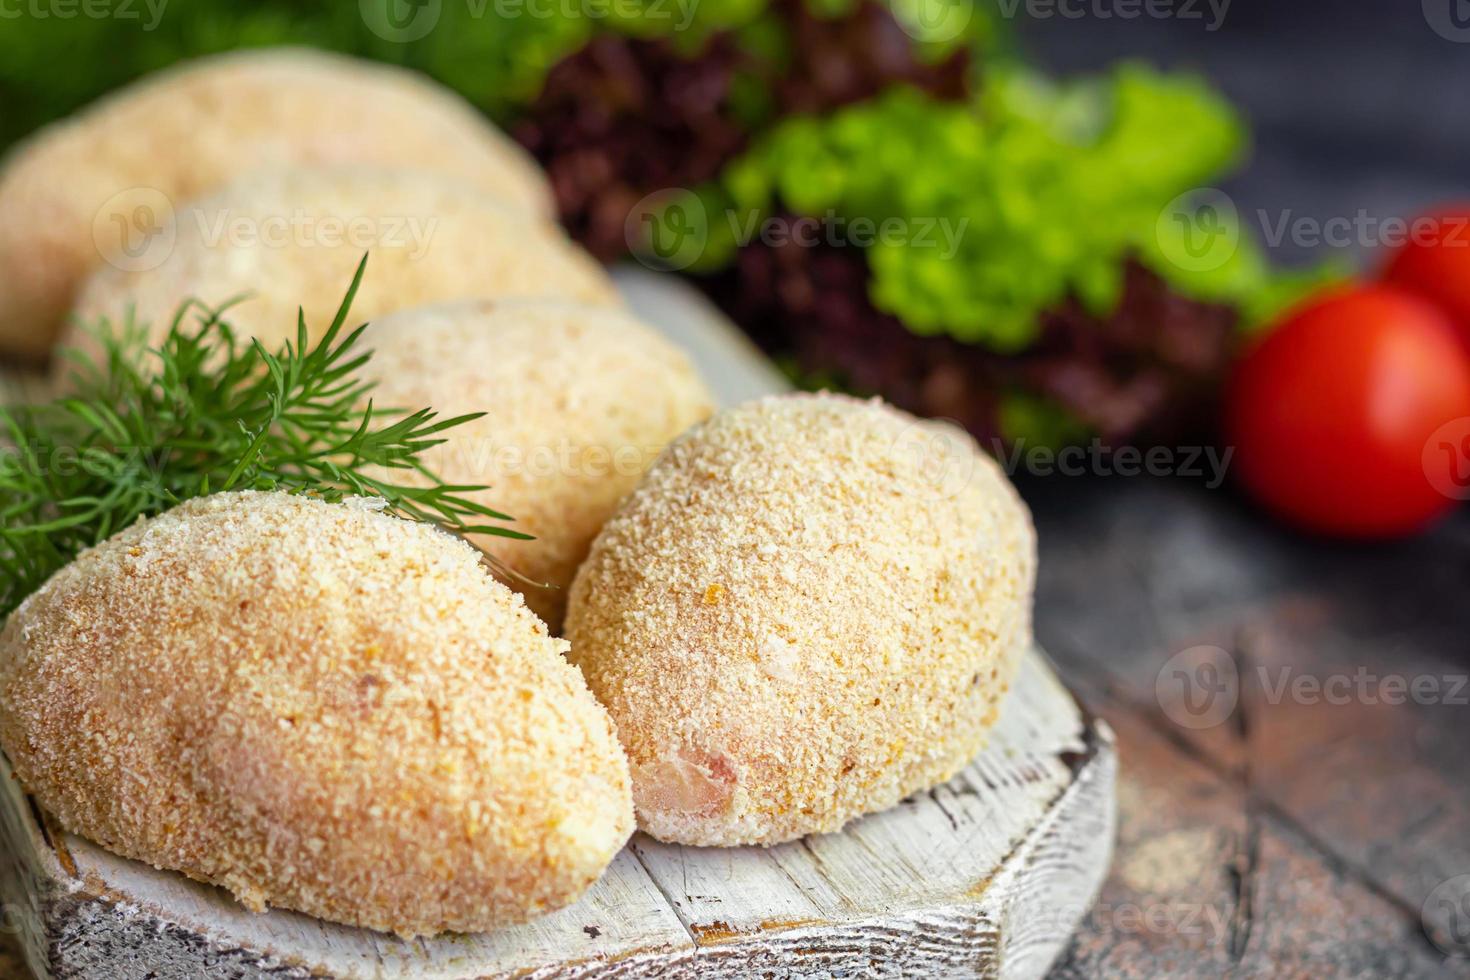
(981,877)
(1320,830)
(1297,839)
(984,877)
(1361,811)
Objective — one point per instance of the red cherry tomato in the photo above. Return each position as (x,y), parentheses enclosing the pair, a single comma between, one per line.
(1332,413)
(1435,263)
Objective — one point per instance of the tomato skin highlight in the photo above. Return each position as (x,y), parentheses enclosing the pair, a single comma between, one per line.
(1330,412)
(1435,264)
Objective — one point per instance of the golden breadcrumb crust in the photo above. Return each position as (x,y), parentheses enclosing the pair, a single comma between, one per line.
(318,707)
(186,131)
(579,401)
(809,609)
(429,239)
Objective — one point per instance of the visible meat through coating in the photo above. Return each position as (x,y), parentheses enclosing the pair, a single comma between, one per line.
(809,609)
(320,708)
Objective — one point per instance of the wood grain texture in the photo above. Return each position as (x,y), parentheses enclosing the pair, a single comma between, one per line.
(1318,827)
(1208,883)
(982,877)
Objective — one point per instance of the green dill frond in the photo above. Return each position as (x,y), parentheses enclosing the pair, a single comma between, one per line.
(143,429)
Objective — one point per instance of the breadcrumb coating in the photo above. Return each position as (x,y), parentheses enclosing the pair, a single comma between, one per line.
(77,186)
(290,240)
(318,707)
(809,609)
(579,401)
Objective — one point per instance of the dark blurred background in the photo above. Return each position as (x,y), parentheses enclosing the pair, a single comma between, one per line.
(1330,825)
(1355,104)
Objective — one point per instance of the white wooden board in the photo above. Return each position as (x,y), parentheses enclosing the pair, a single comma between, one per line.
(983,877)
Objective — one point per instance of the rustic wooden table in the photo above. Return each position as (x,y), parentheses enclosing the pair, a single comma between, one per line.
(1298,836)
(1305,828)
(1274,832)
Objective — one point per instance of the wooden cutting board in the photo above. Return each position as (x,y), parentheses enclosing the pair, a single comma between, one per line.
(985,876)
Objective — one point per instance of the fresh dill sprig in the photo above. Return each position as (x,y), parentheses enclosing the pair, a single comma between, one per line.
(143,429)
